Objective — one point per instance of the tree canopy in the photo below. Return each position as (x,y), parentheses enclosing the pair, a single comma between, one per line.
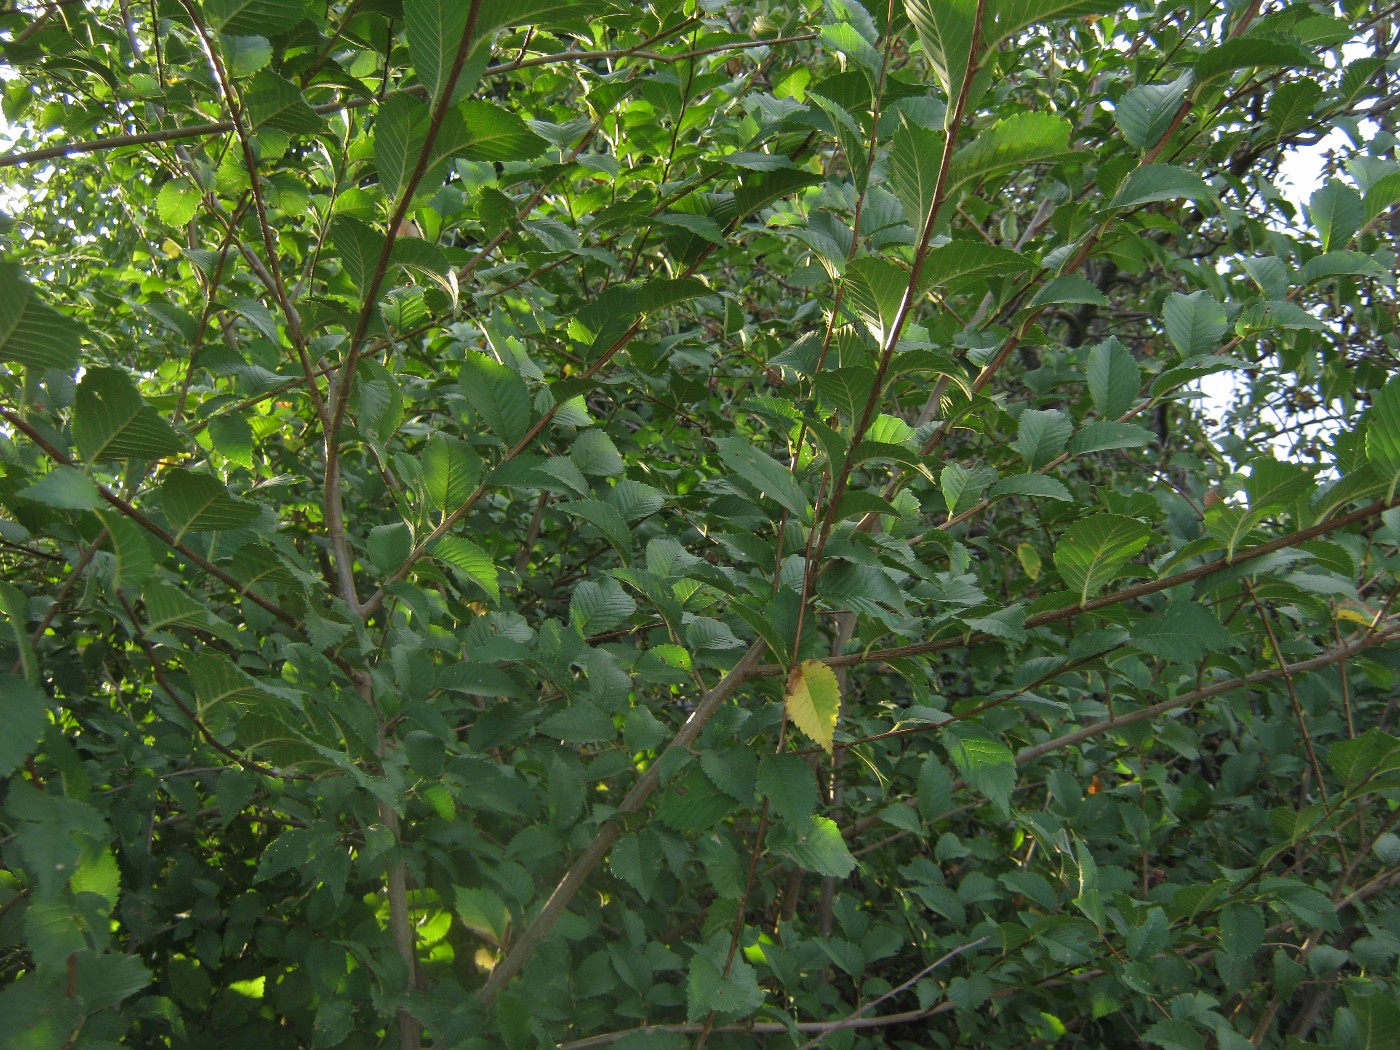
(585,523)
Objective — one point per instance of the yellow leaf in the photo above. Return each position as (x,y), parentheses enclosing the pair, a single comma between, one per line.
(1029,559)
(814,702)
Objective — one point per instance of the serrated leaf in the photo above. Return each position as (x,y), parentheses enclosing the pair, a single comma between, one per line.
(593,452)
(131,551)
(274,102)
(1041,435)
(1160,182)
(1336,212)
(815,844)
(1031,485)
(1383,435)
(914,160)
(1114,378)
(1194,322)
(65,489)
(731,991)
(253,17)
(766,474)
(1144,113)
(111,421)
(598,606)
(24,708)
(177,201)
(498,395)
(814,702)
(451,471)
(1011,144)
(945,28)
(389,545)
(967,260)
(963,486)
(1099,437)
(984,762)
(495,134)
(1183,633)
(196,502)
(790,787)
(606,519)
(1093,550)
(466,557)
(1068,288)
(436,31)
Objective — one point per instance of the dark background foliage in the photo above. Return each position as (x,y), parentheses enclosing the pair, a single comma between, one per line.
(679,524)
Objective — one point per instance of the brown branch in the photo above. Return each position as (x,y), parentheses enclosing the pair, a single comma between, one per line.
(1104,601)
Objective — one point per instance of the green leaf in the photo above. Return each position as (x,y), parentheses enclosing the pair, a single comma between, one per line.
(493,133)
(814,702)
(111,421)
(1145,113)
(32,332)
(1094,550)
(1099,437)
(177,201)
(1195,323)
(435,30)
(134,561)
(1336,213)
(483,912)
(451,471)
(1383,435)
(1382,196)
(1114,378)
(732,770)
(765,474)
(790,787)
(914,161)
(1357,760)
(389,546)
(606,519)
(1241,930)
(963,486)
(984,762)
(1014,15)
(467,558)
(1181,633)
(1160,182)
(1031,485)
(815,844)
(24,708)
(498,395)
(65,489)
(1251,52)
(875,288)
(1069,288)
(1339,264)
(1011,144)
(966,260)
(599,605)
(945,28)
(273,102)
(594,453)
(195,502)
(253,17)
(730,992)
(1041,435)
(105,980)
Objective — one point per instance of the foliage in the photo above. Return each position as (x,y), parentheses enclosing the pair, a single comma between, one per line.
(572,522)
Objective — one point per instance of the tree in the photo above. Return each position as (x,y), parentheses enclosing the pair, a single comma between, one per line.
(581,523)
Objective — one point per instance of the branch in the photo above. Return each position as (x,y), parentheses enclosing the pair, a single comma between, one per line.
(596,850)
(1104,601)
